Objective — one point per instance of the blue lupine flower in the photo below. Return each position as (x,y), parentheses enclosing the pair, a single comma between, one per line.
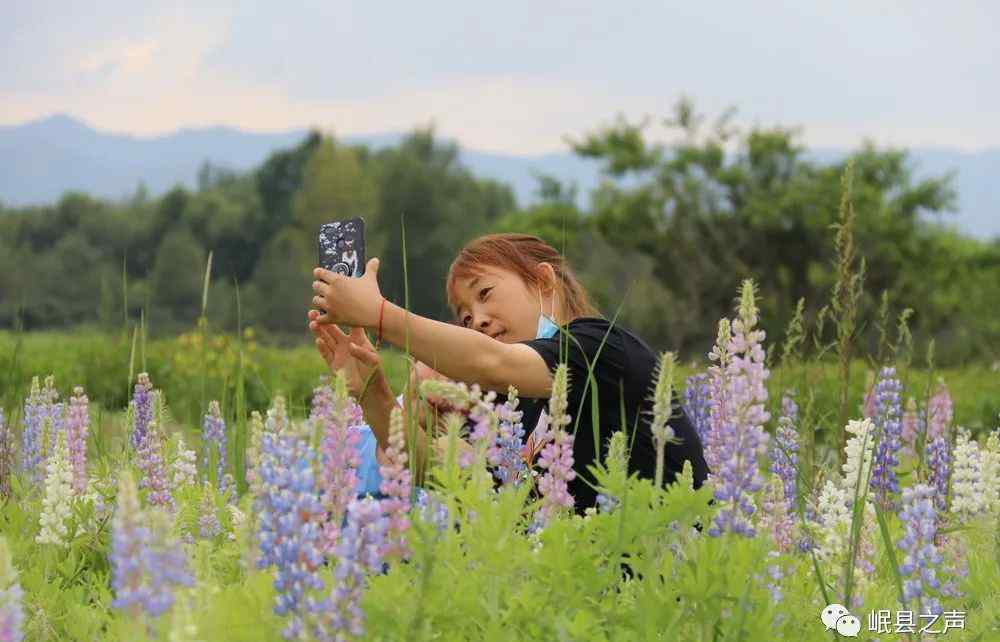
(939,462)
(291,519)
(922,557)
(214,440)
(507,456)
(31,436)
(359,553)
(147,561)
(697,398)
(784,452)
(888,419)
(142,409)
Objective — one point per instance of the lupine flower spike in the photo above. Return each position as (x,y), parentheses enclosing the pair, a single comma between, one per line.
(919,567)
(737,437)
(336,416)
(31,435)
(57,506)
(784,452)
(291,519)
(146,559)
(662,411)
(185,466)
(154,468)
(507,454)
(697,400)
(939,461)
(396,487)
(358,553)
(557,455)
(967,488)
(888,416)
(214,445)
(142,409)
(78,425)
(940,412)
(11,609)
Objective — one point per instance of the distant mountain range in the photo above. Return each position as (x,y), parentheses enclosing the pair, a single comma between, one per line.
(42,159)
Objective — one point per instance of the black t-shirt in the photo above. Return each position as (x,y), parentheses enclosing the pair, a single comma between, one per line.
(625,369)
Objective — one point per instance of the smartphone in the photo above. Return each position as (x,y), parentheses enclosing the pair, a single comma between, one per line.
(342,246)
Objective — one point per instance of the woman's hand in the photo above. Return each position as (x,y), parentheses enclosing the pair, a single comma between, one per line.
(352,353)
(347,300)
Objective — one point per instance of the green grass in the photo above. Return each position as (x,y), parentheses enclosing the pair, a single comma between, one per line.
(100,363)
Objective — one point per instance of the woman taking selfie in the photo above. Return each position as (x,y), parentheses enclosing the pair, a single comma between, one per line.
(514,297)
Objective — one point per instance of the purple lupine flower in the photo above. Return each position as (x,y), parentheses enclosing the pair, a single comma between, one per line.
(888,421)
(922,557)
(736,437)
(337,416)
(213,431)
(208,519)
(6,456)
(431,510)
(31,435)
(396,487)
(359,553)
(142,409)
(777,517)
(147,562)
(939,461)
(940,412)
(557,460)
(557,455)
(291,519)
(697,398)
(11,609)
(784,453)
(154,468)
(77,426)
(506,455)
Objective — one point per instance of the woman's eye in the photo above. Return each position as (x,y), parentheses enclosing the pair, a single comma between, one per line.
(483,293)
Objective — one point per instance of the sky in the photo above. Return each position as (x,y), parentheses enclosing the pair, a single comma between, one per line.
(513,77)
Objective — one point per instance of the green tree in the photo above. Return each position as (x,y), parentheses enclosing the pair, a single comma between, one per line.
(444,207)
(176,280)
(719,205)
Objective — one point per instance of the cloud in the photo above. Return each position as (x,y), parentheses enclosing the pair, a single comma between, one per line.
(516,78)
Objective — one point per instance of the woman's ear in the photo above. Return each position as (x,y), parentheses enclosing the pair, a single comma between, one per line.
(548,276)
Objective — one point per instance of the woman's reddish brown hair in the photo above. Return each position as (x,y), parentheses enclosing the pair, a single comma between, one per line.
(521,254)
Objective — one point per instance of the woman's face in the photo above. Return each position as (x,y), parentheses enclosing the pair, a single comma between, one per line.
(499,303)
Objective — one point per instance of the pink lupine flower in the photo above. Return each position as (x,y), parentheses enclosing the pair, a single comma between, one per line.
(940,412)
(336,416)
(78,426)
(396,487)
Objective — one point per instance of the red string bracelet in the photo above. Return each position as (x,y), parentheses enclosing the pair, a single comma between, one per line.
(381,314)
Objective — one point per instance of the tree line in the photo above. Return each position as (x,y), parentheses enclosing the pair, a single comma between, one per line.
(664,242)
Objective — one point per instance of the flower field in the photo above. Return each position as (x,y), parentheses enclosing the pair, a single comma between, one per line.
(132,525)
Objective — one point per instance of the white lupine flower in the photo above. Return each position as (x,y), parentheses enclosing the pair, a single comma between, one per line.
(835,519)
(239,520)
(57,504)
(185,466)
(991,472)
(968,493)
(859,456)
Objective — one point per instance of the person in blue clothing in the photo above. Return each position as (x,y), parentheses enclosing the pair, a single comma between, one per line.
(519,311)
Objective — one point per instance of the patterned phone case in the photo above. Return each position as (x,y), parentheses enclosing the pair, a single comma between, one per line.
(342,246)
